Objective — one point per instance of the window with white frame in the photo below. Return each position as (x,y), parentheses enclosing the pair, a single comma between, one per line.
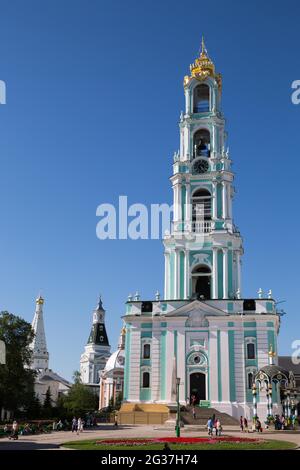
(146,351)
(146,380)
(250,374)
(250,348)
(146,348)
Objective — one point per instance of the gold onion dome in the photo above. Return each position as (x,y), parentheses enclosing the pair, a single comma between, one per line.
(202,68)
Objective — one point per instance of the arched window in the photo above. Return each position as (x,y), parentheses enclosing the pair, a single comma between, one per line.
(201,99)
(201,205)
(146,380)
(201,282)
(201,143)
(250,380)
(250,351)
(146,351)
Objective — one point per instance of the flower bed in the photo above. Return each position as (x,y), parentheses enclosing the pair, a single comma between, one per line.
(175,440)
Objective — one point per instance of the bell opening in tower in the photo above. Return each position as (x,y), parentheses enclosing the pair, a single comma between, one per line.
(202,143)
(201,99)
(201,282)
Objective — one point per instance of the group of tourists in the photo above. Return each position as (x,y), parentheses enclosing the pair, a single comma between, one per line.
(77,425)
(244,424)
(214,425)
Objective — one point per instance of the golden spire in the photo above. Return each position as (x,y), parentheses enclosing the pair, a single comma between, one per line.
(202,68)
(203,51)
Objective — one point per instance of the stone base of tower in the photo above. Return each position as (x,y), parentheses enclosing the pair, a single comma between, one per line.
(143,413)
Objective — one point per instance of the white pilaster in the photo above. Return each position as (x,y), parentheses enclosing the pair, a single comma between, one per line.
(135,362)
(213,360)
(169,364)
(215,200)
(181,362)
(167,274)
(225,366)
(188,207)
(155,362)
(238,270)
(224,199)
(225,272)
(215,273)
(239,365)
(186,274)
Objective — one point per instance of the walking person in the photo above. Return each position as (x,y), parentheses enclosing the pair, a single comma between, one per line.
(194,412)
(242,423)
(79,426)
(246,425)
(15,431)
(218,427)
(258,426)
(210,426)
(74,424)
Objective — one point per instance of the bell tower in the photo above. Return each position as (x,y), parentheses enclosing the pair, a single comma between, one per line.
(203,249)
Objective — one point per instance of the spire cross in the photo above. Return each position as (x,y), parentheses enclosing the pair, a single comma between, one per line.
(203,48)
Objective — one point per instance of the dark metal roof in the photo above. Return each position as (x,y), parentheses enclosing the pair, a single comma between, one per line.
(287,363)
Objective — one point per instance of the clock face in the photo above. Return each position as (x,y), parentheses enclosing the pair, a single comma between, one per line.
(200,166)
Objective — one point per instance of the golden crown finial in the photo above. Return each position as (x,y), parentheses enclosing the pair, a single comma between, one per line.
(203,67)
(271,352)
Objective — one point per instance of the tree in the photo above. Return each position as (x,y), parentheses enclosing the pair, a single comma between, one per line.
(48,400)
(119,399)
(77,377)
(16,379)
(80,400)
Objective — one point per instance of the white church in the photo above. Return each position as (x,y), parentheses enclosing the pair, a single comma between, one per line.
(46,378)
(203,334)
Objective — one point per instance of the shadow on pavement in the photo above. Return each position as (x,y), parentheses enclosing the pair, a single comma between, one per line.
(27,445)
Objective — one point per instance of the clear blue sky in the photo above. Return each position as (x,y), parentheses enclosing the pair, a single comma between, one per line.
(94,92)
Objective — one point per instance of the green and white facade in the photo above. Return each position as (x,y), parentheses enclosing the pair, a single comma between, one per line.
(202,331)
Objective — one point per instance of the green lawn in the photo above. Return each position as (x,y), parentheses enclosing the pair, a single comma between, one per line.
(262,445)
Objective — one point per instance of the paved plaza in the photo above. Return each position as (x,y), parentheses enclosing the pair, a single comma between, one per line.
(55,439)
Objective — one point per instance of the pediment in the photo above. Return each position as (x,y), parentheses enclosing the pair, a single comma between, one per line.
(196,307)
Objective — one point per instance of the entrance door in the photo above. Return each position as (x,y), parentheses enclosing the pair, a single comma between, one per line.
(197,386)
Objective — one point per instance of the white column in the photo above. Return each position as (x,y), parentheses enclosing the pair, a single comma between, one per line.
(187,101)
(225,272)
(186,274)
(229,201)
(176,274)
(215,200)
(215,272)
(187,149)
(167,274)
(188,207)
(238,271)
(224,199)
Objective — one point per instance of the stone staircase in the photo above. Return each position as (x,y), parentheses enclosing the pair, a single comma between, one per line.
(203,414)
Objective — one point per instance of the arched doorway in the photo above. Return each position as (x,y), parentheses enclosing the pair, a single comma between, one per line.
(201,280)
(197,386)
